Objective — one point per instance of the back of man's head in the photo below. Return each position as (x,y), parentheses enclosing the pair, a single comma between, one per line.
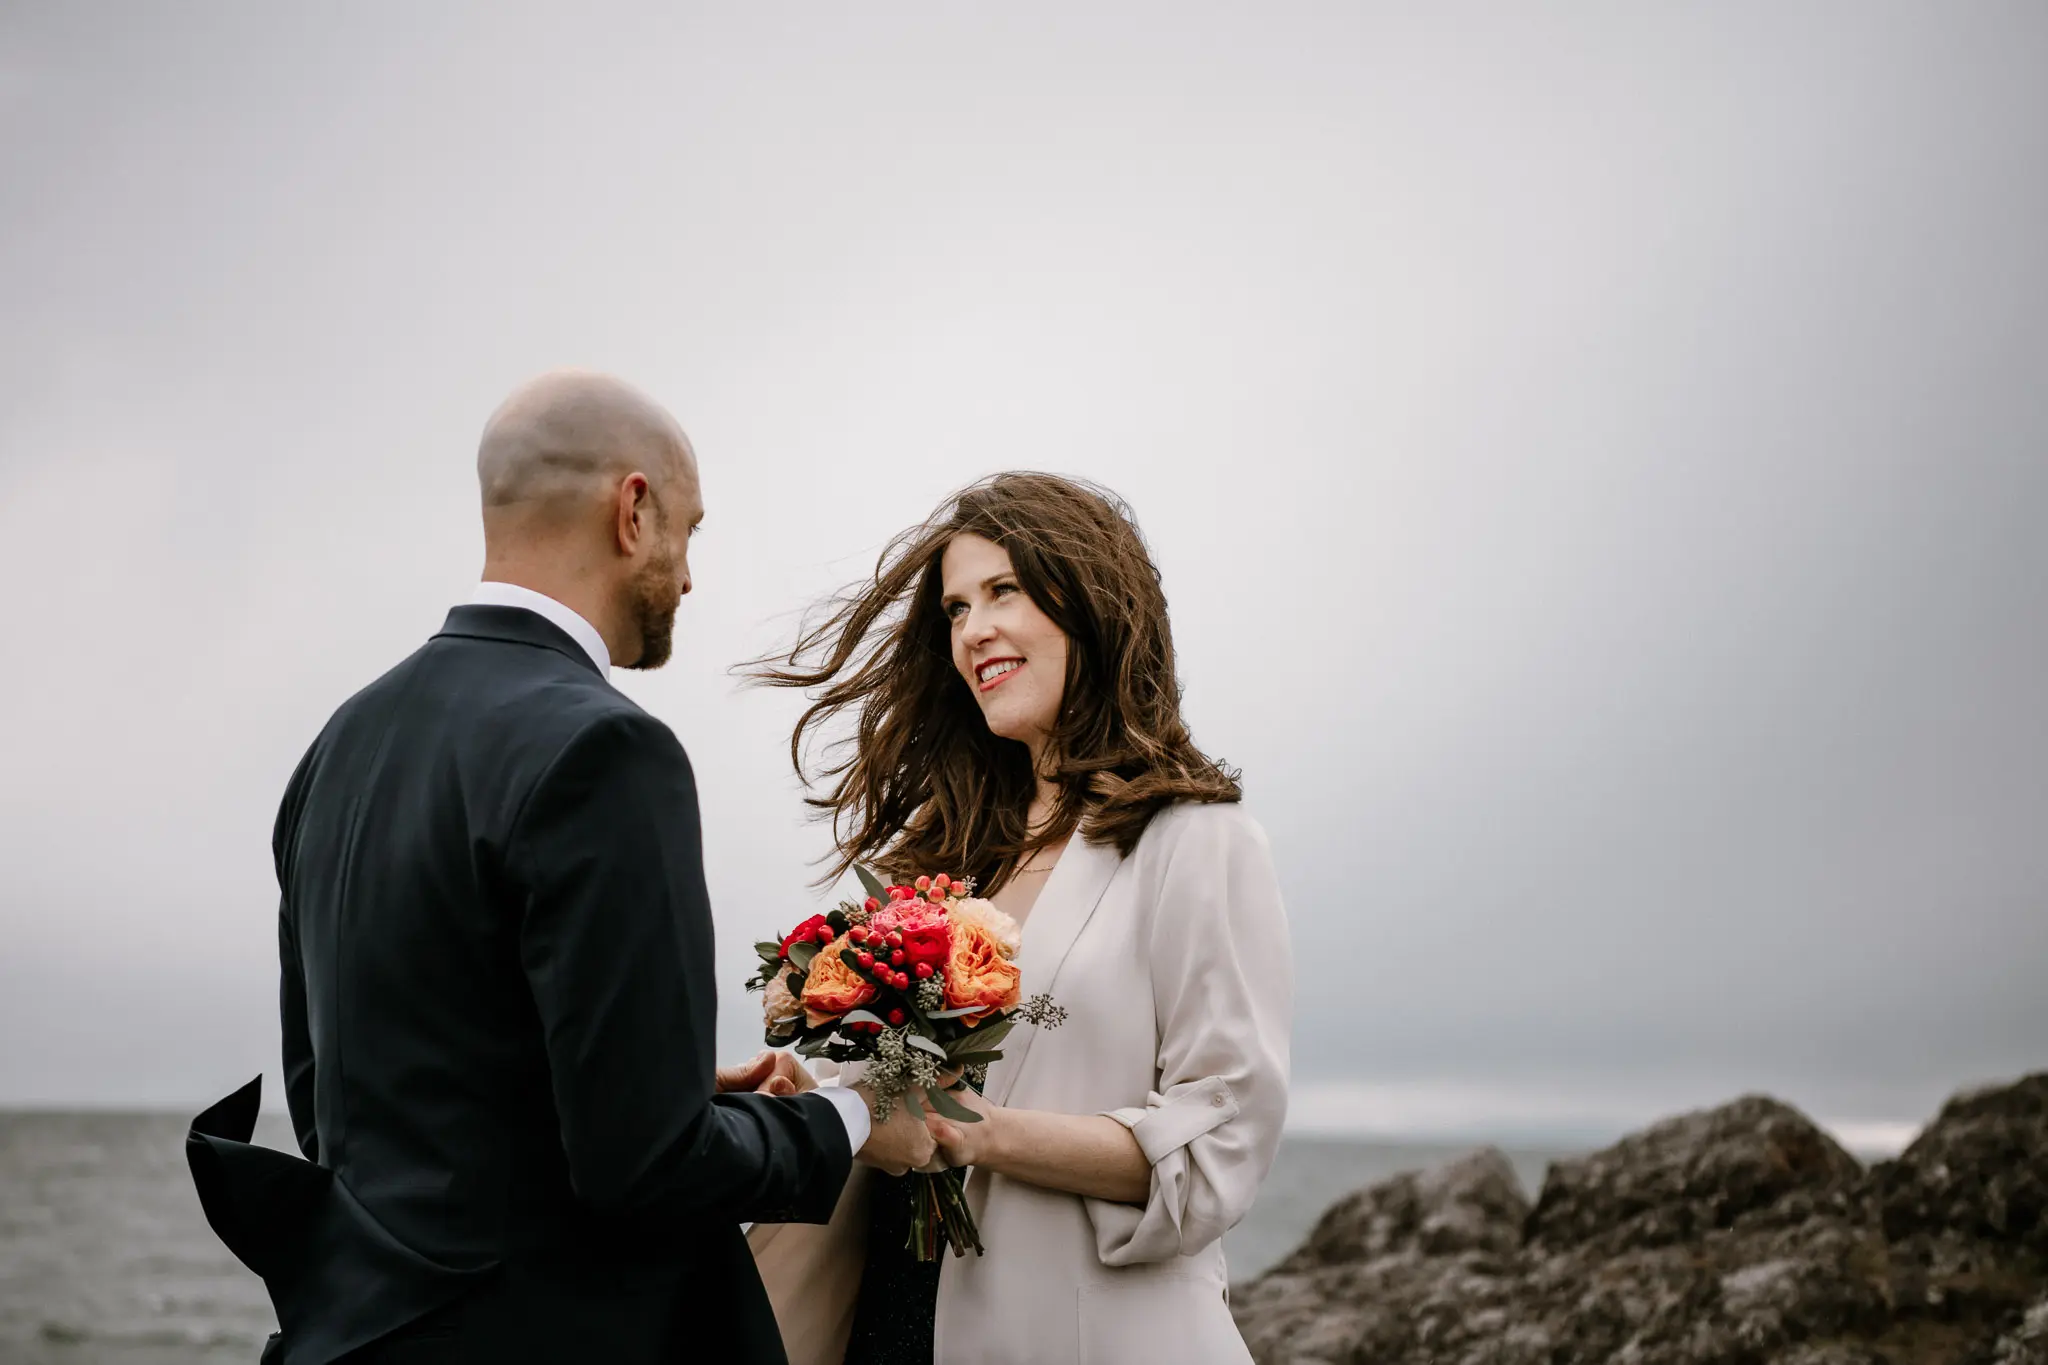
(566,438)
(589,492)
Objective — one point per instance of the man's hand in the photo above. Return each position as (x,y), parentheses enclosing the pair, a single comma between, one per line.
(902,1144)
(769,1073)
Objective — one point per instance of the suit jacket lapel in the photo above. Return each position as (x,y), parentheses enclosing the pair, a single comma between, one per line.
(1063,910)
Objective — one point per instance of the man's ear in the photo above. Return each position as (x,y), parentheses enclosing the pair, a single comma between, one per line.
(634,504)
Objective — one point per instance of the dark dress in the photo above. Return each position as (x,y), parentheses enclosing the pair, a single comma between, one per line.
(898,1304)
(899,1294)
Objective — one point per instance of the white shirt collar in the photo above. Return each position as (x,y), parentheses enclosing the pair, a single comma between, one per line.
(581,631)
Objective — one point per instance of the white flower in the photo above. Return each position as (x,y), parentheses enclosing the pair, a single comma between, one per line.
(779,1004)
(991,921)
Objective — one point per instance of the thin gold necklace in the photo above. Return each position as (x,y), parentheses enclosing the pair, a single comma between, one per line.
(1031,863)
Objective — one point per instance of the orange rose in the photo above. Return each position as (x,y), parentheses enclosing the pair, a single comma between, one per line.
(978,975)
(832,988)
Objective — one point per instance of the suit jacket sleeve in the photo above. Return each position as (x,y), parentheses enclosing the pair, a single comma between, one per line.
(298,1042)
(1223,986)
(615,938)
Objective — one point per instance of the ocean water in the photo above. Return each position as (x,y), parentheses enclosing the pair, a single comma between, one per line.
(105,1258)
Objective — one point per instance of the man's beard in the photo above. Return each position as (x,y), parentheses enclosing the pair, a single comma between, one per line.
(654,600)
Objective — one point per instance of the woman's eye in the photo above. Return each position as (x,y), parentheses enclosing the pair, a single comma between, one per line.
(1004,588)
(955,610)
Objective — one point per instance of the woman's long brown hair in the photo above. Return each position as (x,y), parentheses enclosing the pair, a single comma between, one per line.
(922,784)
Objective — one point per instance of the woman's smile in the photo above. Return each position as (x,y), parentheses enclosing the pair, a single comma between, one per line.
(995,672)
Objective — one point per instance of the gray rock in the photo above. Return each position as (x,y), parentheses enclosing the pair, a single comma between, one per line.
(1697,1174)
(1978,1170)
(1474,1204)
(1829,1353)
(1736,1236)
(2027,1343)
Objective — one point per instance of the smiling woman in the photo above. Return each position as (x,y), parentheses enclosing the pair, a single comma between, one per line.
(1038,593)
(1010,670)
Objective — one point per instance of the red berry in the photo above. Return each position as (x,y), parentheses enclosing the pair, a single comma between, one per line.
(864,959)
(896,958)
(924,970)
(903,981)
(871,905)
(897,1016)
(895,939)
(858,934)
(900,893)
(942,881)
(824,933)
(924,883)
(936,896)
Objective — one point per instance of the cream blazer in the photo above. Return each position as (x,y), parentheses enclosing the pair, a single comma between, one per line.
(1174,968)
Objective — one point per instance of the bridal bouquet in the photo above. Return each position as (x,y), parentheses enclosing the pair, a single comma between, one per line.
(920,983)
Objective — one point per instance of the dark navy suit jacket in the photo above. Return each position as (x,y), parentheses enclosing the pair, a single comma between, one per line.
(498,1008)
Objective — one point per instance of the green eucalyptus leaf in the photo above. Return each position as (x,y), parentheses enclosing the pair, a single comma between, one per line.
(925,1044)
(871,883)
(954,1014)
(863,1017)
(974,1058)
(988,1035)
(951,1107)
(802,954)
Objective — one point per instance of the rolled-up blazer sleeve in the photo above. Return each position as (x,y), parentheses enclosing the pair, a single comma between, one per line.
(1223,987)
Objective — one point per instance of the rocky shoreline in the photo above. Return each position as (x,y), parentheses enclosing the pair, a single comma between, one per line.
(1742,1235)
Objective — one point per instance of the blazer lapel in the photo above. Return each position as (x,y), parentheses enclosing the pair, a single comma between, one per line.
(1063,910)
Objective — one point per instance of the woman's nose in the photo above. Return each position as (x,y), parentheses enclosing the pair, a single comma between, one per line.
(977,629)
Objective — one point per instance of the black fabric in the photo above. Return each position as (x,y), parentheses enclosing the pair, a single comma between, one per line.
(498,1005)
(897,1311)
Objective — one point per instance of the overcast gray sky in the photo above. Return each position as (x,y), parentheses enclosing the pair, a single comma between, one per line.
(1598,456)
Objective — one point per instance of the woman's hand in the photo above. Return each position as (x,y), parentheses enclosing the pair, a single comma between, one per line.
(966,1144)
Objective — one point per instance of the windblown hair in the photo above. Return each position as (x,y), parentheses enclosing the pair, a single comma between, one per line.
(922,783)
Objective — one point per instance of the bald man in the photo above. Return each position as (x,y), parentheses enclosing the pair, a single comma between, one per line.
(498,999)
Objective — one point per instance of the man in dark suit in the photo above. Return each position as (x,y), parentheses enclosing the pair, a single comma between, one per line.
(498,994)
